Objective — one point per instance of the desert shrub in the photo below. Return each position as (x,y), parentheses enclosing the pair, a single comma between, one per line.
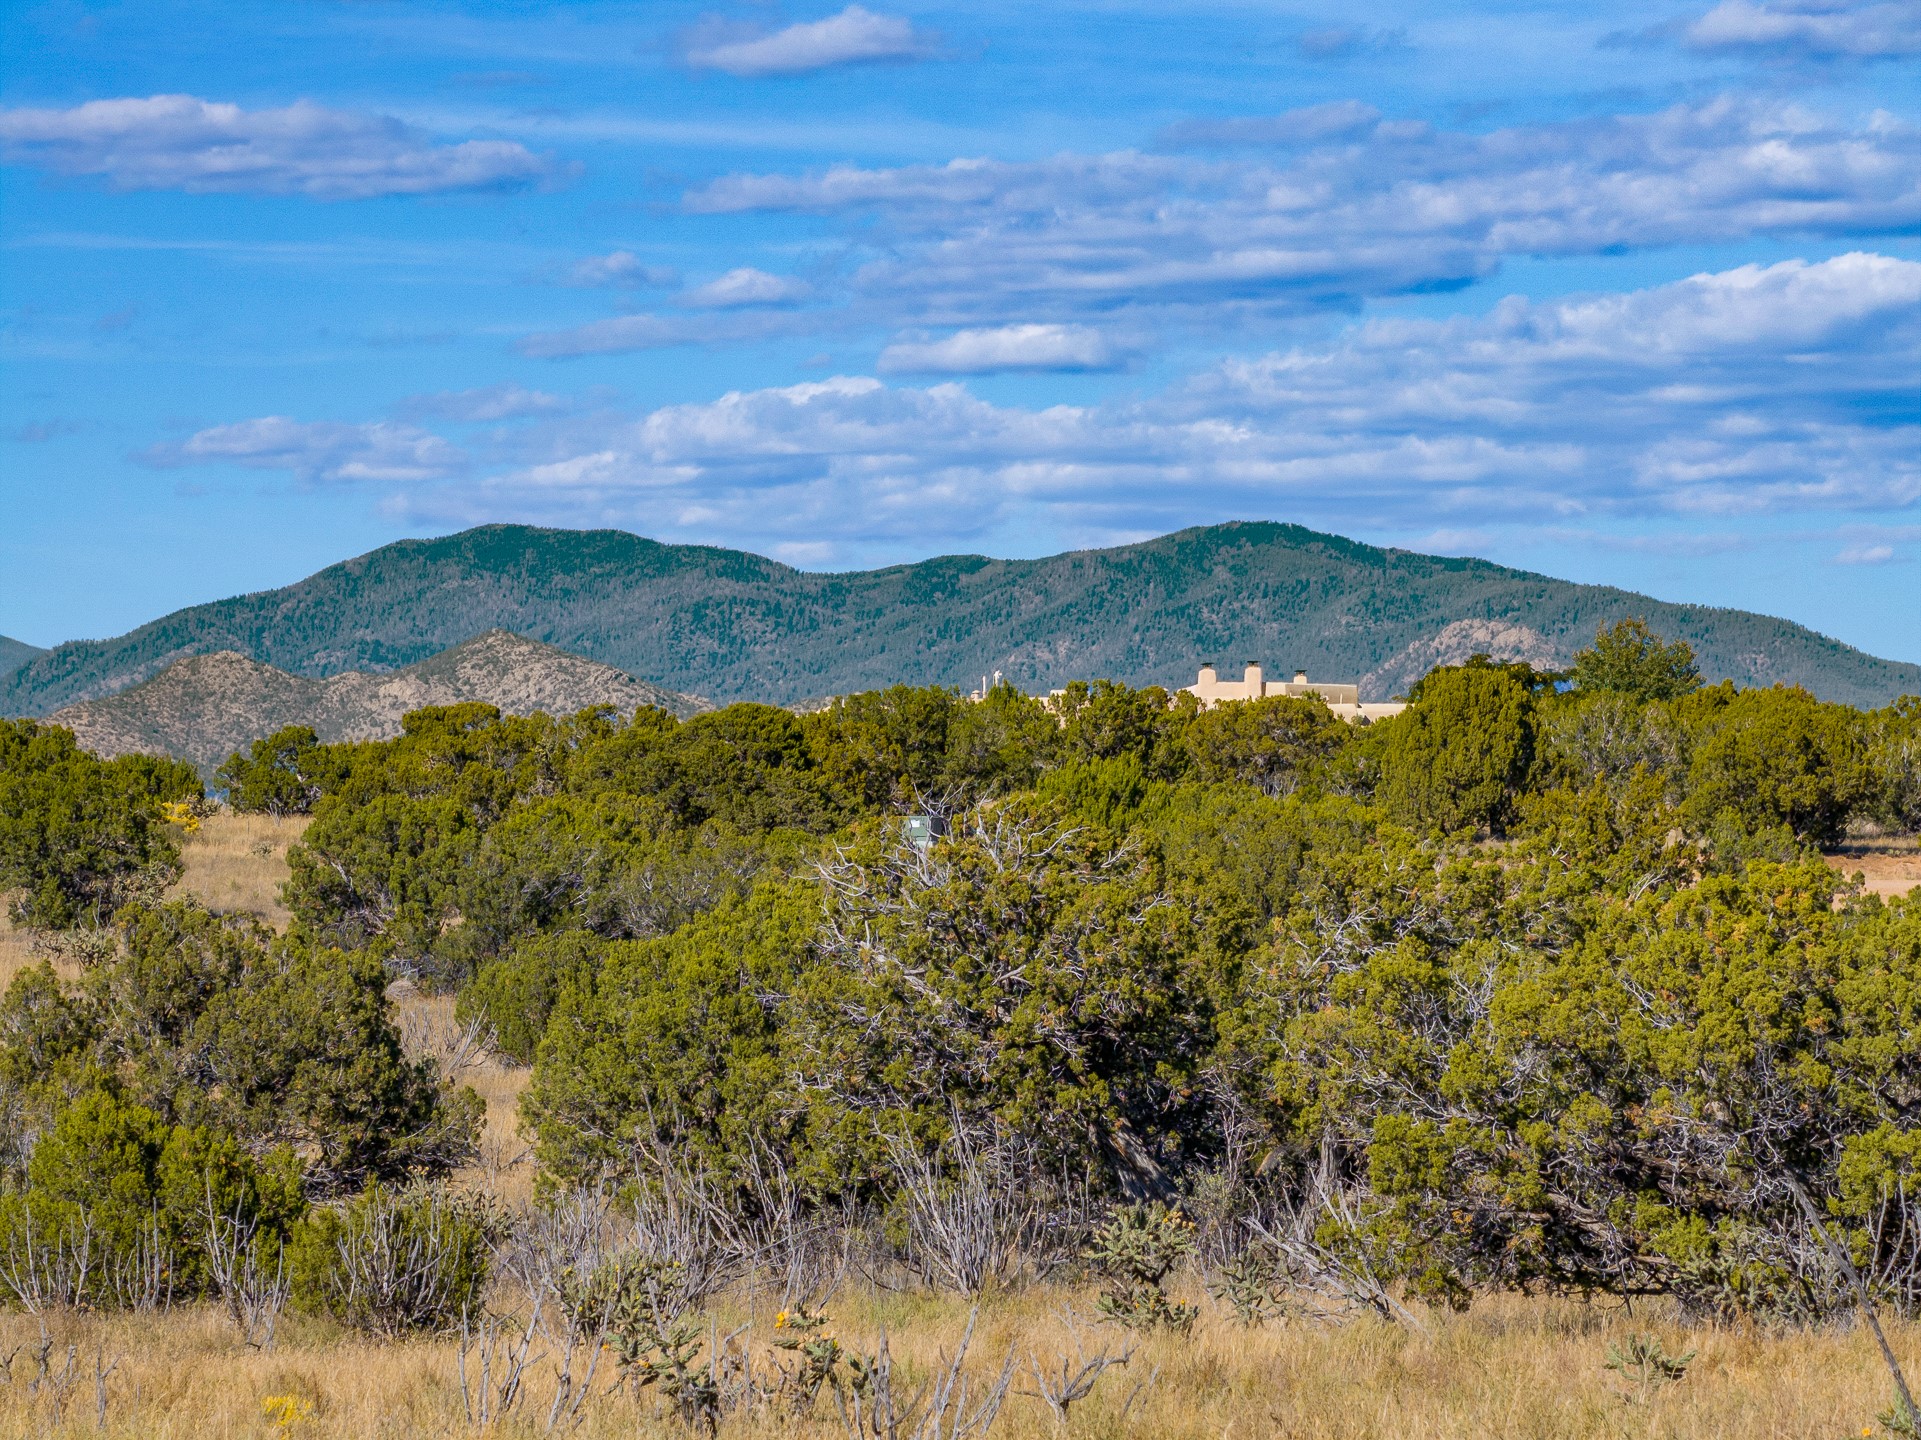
(514,995)
(1631,660)
(391,1263)
(1607,735)
(884,749)
(1462,753)
(1134,1251)
(284,773)
(213,1020)
(1894,761)
(999,746)
(1597,1109)
(1776,757)
(677,1038)
(117,1207)
(79,837)
(1106,721)
(1034,972)
(1275,745)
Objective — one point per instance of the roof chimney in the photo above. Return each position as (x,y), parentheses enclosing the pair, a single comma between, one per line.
(1300,677)
(1252,679)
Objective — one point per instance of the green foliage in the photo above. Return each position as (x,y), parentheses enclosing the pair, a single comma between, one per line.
(110,1181)
(1033,971)
(210,1020)
(79,837)
(1895,763)
(1460,756)
(1630,659)
(391,1263)
(677,1039)
(514,995)
(1777,757)
(1275,745)
(283,774)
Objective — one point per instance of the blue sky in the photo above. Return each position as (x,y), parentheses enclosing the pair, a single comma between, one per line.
(1627,294)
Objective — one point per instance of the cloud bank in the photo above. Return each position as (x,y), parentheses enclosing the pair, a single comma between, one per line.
(1332,206)
(180,142)
(1756,390)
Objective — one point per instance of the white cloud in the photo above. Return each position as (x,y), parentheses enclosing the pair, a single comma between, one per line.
(854,36)
(377,452)
(1813,28)
(747,286)
(1865,555)
(505,401)
(622,269)
(1370,208)
(1007,347)
(1763,389)
(179,142)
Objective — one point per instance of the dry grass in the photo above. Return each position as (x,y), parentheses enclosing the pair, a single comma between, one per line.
(427,1026)
(22,949)
(239,862)
(1888,865)
(1512,1369)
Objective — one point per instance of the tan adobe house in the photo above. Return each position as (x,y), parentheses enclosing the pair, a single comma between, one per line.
(1344,700)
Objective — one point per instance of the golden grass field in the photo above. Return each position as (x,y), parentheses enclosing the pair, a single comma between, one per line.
(1512,1368)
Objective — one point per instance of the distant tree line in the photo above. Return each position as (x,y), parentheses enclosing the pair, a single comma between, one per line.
(1542,983)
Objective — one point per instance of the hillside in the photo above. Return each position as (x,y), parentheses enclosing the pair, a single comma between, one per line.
(15,653)
(204,708)
(738,626)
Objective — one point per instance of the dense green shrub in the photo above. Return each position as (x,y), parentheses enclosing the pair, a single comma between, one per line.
(79,837)
(211,1020)
(1777,757)
(285,773)
(118,1208)
(1462,753)
(678,1039)
(1894,762)
(1276,745)
(1630,659)
(514,995)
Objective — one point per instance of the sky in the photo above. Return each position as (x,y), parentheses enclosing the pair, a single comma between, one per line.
(1624,293)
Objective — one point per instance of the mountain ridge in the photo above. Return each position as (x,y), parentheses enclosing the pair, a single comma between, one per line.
(733,625)
(205,707)
(15,653)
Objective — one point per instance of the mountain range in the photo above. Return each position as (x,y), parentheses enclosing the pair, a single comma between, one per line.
(207,706)
(732,625)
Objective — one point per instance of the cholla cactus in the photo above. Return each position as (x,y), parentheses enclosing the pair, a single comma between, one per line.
(1253,1285)
(808,1338)
(1135,1251)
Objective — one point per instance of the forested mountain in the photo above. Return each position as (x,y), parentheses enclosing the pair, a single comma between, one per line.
(204,708)
(15,653)
(731,625)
